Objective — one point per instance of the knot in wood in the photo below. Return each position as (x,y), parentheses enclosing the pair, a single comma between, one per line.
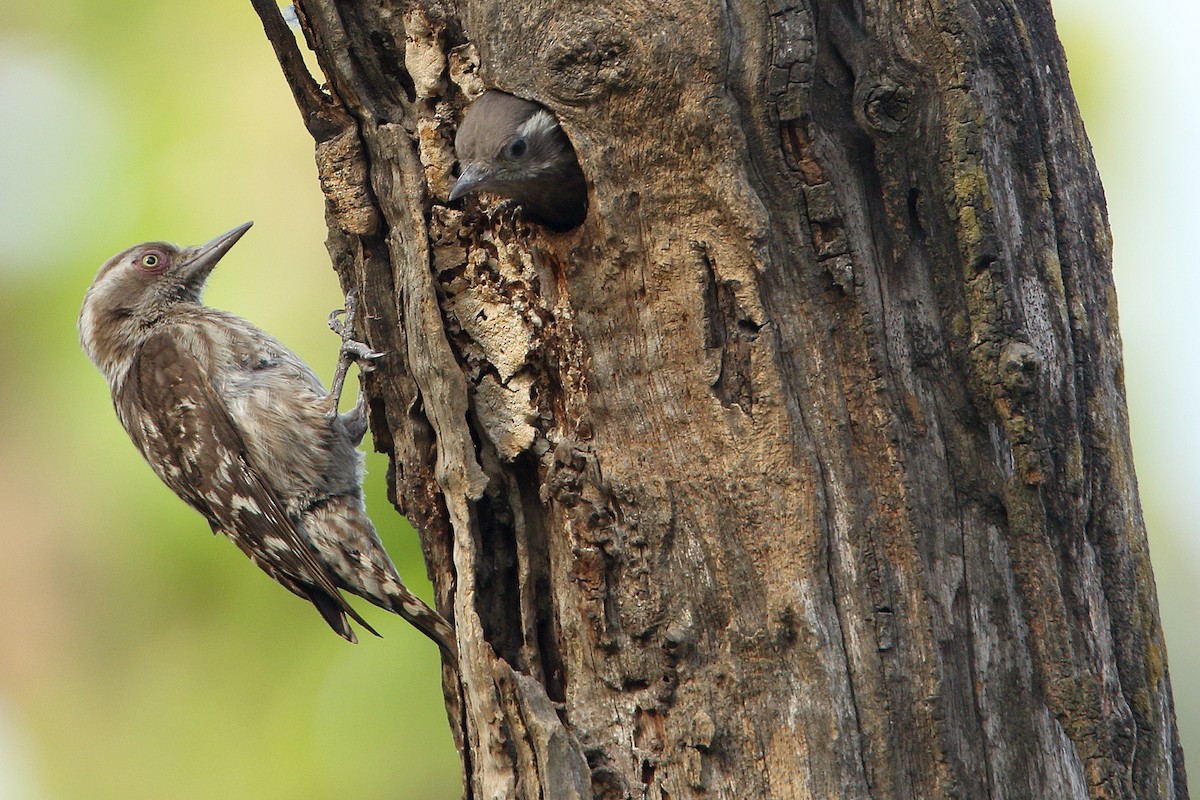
(883,107)
(589,57)
(1019,367)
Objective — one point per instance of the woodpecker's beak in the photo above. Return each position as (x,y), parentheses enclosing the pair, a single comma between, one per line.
(475,175)
(199,261)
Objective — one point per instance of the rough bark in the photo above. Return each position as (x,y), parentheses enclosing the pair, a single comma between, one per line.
(802,468)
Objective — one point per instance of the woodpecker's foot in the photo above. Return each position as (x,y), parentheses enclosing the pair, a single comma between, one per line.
(359,353)
(341,322)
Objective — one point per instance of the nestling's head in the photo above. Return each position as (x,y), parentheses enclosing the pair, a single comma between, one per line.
(515,148)
(137,287)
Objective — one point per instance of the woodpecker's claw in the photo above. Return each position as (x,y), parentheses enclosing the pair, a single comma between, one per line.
(335,323)
(341,322)
(359,352)
(352,348)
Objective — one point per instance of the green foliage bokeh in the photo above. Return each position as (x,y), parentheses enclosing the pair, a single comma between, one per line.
(142,657)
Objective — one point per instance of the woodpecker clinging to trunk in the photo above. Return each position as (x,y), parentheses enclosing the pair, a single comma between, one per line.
(515,148)
(243,431)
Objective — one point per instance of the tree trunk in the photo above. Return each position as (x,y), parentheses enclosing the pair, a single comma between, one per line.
(802,468)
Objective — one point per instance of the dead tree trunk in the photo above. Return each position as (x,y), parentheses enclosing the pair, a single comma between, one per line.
(801,469)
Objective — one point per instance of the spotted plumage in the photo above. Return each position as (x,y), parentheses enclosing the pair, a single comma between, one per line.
(517,149)
(243,431)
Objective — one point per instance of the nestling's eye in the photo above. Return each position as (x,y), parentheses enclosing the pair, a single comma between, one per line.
(152,262)
(517,148)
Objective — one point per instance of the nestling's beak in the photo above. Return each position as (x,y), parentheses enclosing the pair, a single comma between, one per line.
(199,261)
(475,175)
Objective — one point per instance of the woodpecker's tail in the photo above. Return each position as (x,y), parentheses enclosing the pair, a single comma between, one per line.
(424,619)
(344,540)
(333,611)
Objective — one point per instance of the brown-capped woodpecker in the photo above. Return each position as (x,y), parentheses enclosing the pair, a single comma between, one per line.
(243,431)
(516,149)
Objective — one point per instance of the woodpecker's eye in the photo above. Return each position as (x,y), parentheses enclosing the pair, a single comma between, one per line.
(517,148)
(152,262)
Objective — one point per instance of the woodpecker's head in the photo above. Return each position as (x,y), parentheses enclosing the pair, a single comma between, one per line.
(137,288)
(515,148)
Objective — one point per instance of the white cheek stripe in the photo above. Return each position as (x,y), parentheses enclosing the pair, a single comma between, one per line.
(91,299)
(87,326)
(542,122)
(100,288)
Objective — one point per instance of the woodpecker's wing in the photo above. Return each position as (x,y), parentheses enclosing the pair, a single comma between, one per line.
(179,422)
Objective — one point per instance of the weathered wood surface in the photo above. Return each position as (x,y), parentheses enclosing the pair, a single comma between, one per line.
(802,468)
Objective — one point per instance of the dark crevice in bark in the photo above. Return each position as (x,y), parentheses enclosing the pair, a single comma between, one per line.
(543,626)
(608,782)
(915,229)
(391,62)
(732,335)
(497,579)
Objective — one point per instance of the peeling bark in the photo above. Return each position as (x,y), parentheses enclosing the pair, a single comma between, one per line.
(802,468)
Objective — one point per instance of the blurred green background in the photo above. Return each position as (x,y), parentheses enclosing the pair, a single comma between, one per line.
(141,657)
(144,659)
